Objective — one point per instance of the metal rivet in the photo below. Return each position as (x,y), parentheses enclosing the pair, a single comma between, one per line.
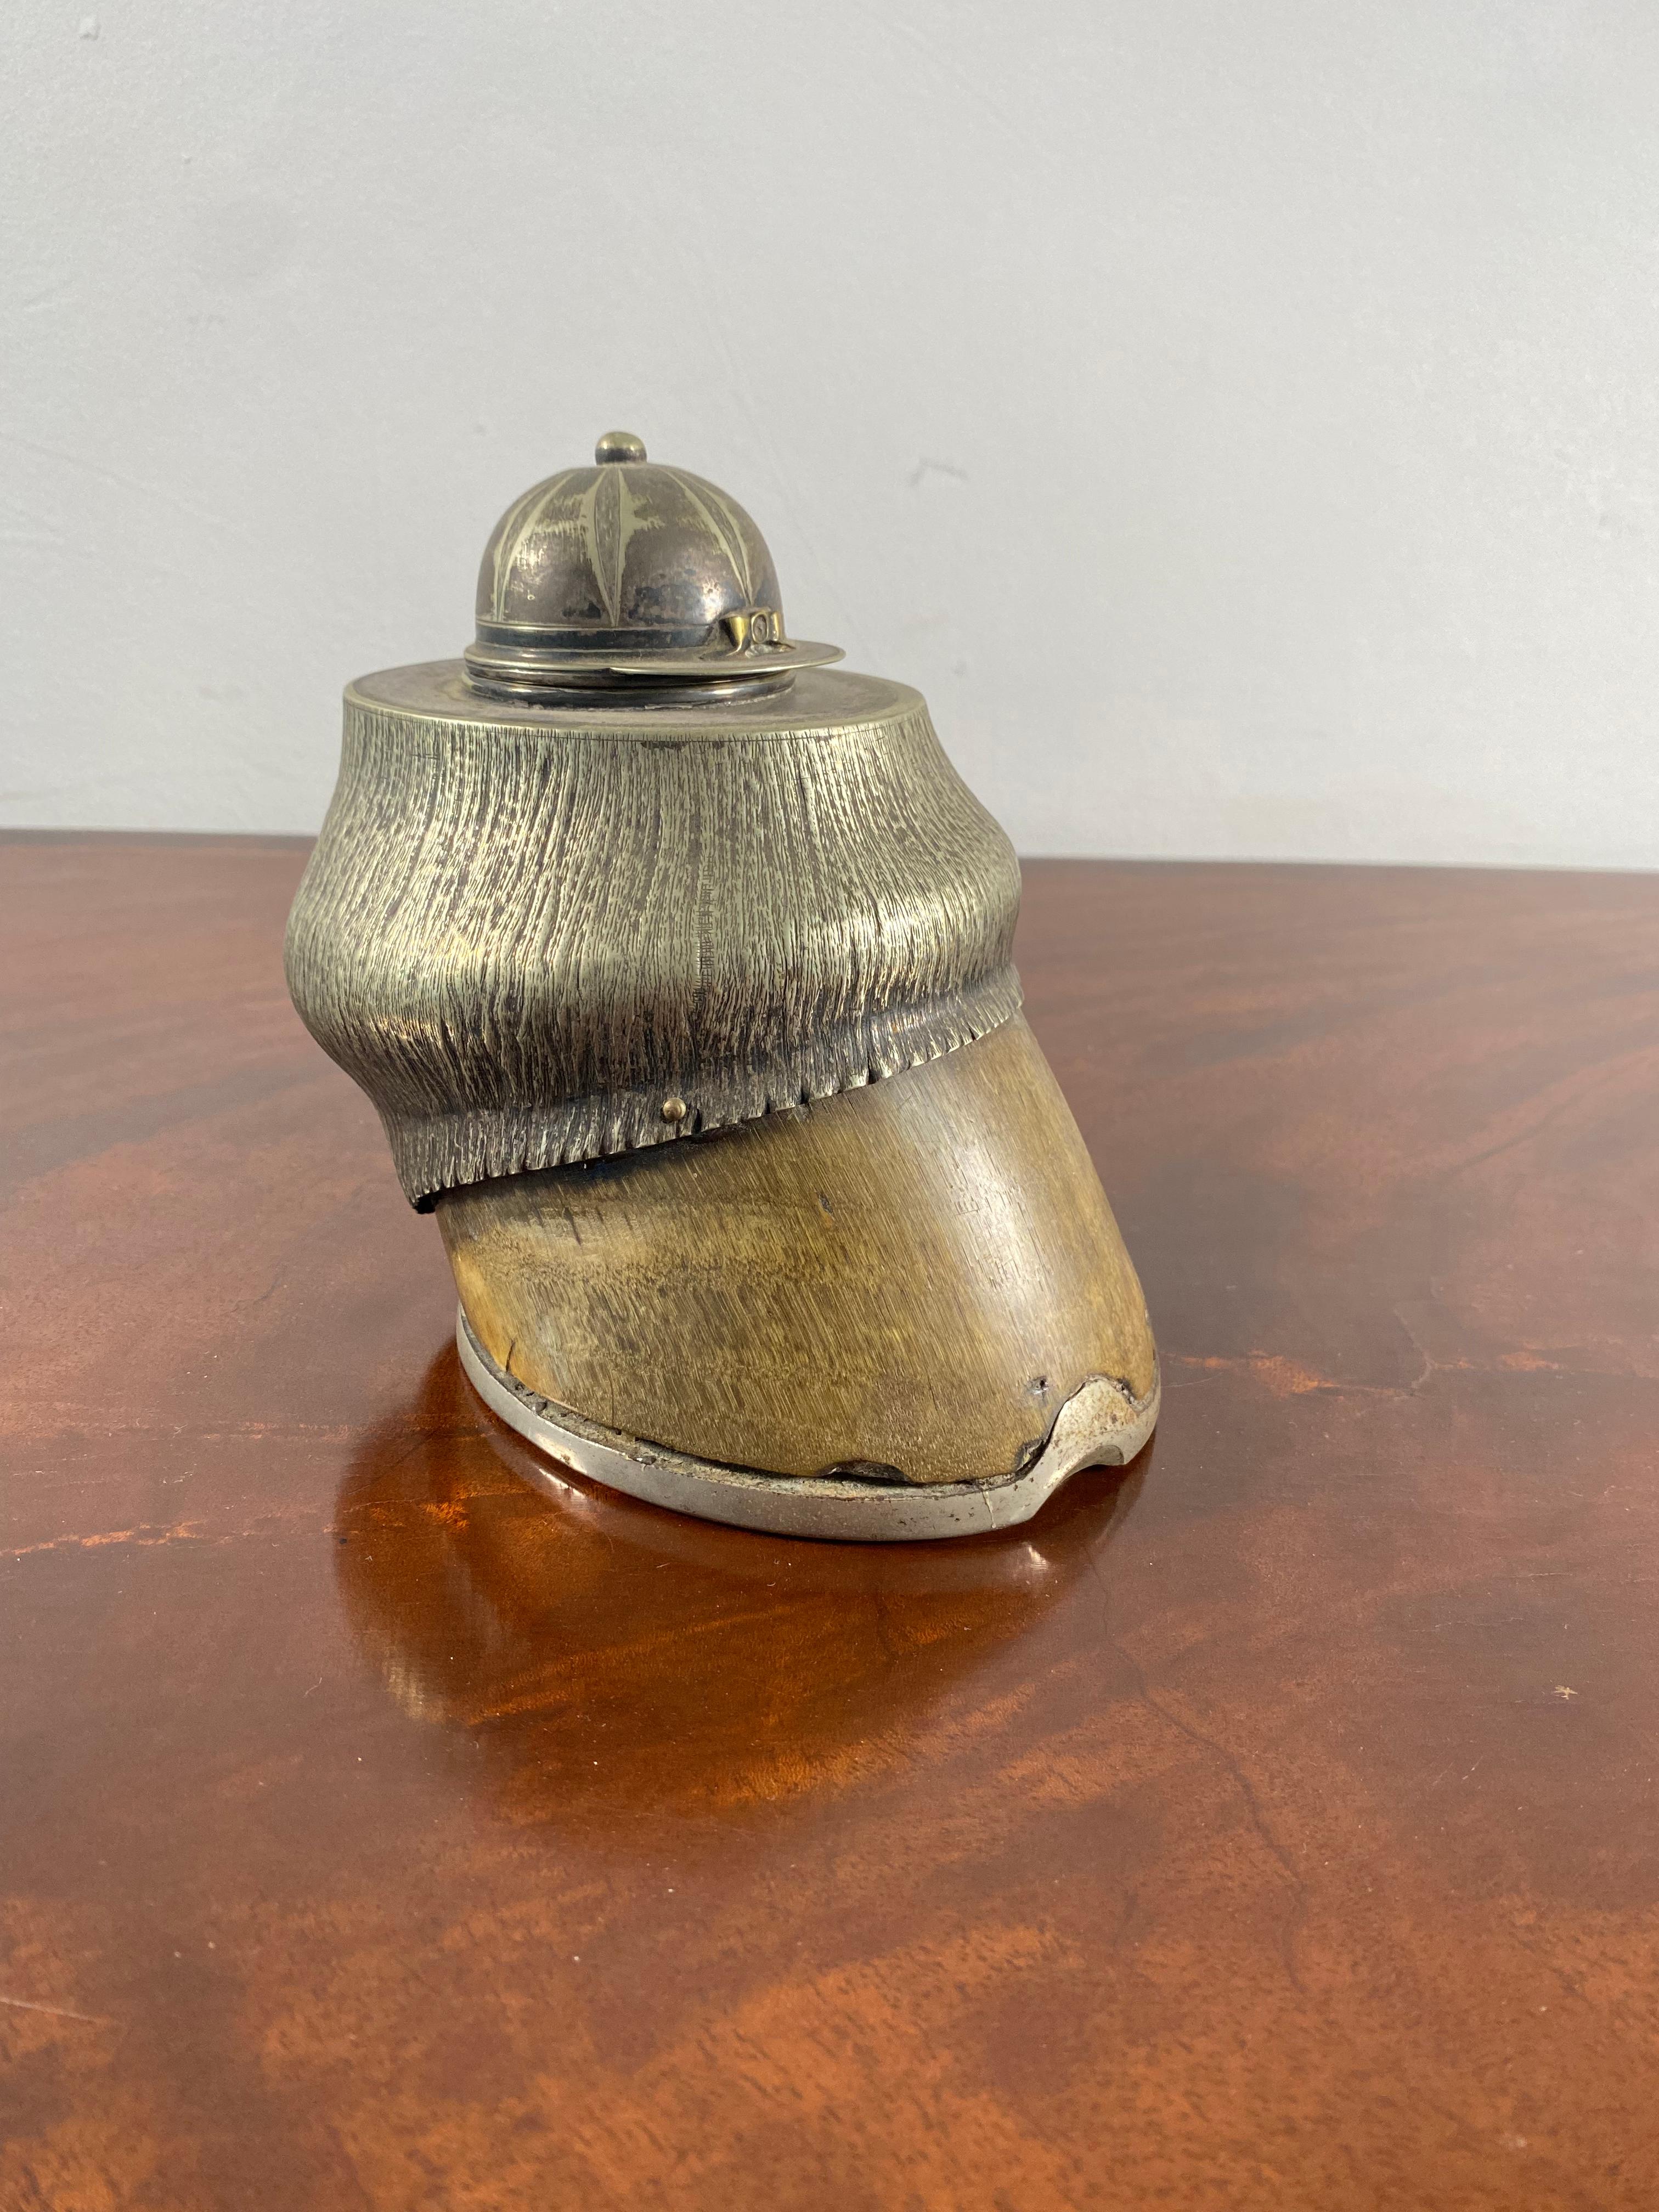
(674,1110)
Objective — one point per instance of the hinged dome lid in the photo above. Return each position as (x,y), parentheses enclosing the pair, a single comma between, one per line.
(625,577)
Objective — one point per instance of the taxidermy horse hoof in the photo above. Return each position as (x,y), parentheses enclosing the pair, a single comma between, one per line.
(678,965)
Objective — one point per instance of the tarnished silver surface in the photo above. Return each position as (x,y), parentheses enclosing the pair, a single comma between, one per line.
(1096,1426)
(629,575)
(550,919)
(537,936)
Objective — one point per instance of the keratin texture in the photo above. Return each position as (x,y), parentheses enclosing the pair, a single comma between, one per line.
(525,940)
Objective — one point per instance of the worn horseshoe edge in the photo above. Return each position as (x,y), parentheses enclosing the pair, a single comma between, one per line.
(1099,1425)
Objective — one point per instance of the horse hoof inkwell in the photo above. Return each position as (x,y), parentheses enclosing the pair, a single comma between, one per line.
(677,964)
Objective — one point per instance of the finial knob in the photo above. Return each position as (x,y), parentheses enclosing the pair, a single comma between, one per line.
(619,445)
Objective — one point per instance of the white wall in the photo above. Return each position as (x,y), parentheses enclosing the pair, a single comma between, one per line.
(1238,416)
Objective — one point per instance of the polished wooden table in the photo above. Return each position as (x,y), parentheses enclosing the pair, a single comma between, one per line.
(1272,1826)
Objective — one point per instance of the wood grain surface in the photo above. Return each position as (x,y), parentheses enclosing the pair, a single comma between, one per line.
(1271,1827)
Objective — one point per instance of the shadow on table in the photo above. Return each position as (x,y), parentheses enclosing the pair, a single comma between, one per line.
(612,1659)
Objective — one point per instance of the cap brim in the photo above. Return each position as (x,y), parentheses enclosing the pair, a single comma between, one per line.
(761,660)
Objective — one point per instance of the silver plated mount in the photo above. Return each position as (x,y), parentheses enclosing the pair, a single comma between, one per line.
(1096,1427)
